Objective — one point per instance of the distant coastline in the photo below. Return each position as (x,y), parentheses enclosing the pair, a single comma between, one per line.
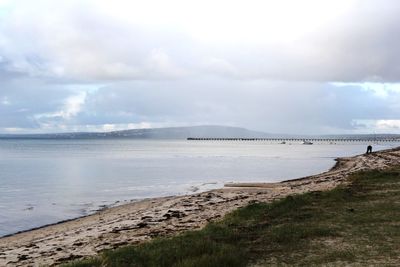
(203,131)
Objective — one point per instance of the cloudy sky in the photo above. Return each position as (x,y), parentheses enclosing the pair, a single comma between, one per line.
(306,66)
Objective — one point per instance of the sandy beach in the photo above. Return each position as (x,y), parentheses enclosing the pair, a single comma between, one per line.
(139,221)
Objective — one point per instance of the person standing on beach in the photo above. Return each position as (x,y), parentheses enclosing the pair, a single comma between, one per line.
(369,149)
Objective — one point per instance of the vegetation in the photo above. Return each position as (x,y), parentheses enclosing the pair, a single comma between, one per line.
(353,225)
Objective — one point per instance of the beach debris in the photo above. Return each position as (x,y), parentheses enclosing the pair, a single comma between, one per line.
(174,214)
(77,244)
(23,257)
(142,224)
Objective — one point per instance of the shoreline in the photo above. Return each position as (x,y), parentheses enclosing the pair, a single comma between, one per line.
(124,202)
(135,222)
(79,217)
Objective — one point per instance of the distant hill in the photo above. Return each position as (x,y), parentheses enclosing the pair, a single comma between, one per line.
(154,133)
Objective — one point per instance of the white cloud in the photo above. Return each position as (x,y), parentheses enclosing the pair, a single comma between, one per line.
(382,90)
(71,108)
(159,64)
(307,40)
(228,21)
(378,126)
(5,101)
(15,130)
(387,125)
(219,66)
(71,40)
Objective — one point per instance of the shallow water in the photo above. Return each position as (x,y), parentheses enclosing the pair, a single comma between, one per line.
(45,181)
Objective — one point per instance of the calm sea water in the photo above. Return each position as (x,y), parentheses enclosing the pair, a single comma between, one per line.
(45,181)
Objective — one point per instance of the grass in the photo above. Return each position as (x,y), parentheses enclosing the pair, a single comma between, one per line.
(355,225)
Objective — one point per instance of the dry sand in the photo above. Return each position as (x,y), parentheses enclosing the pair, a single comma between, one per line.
(136,222)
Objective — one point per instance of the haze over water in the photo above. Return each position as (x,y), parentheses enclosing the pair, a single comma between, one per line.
(45,181)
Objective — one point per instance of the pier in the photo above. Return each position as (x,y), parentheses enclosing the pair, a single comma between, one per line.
(329,140)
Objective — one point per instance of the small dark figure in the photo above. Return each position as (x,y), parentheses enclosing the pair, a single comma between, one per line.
(369,149)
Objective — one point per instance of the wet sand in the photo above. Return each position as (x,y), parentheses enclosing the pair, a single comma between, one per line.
(136,222)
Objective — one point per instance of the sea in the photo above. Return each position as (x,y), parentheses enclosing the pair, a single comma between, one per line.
(46,181)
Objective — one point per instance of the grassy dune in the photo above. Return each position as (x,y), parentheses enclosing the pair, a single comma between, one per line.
(354,225)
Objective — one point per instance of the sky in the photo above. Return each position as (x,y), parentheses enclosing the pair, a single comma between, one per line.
(287,66)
